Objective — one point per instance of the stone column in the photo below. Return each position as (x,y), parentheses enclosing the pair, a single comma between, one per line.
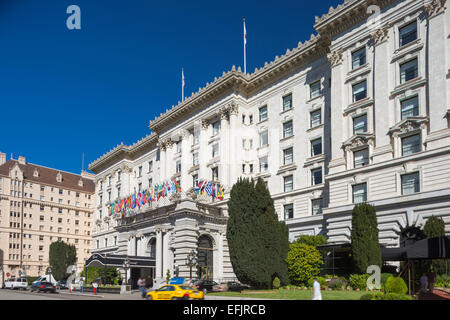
(233,144)
(383,108)
(162,161)
(220,256)
(337,162)
(204,155)
(224,147)
(159,254)
(165,260)
(186,160)
(436,74)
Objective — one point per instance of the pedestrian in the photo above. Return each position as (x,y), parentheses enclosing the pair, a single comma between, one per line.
(431,279)
(141,285)
(81,285)
(423,283)
(316,290)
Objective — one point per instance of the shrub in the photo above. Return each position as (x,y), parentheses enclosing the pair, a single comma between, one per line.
(442,281)
(337,284)
(321,280)
(384,277)
(395,285)
(304,262)
(276,283)
(311,240)
(385,296)
(359,281)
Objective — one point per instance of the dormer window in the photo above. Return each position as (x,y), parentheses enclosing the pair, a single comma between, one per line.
(59,177)
(80,183)
(35,173)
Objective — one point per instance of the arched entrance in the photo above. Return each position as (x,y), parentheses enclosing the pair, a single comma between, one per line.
(205,258)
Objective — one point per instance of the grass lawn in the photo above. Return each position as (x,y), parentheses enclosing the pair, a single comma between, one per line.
(293,294)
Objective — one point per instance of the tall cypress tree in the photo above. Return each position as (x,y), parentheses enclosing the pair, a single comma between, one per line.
(61,256)
(258,243)
(435,227)
(364,237)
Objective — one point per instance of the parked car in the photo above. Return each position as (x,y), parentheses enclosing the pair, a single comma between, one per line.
(62,285)
(43,286)
(204,285)
(221,287)
(16,283)
(237,286)
(175,292)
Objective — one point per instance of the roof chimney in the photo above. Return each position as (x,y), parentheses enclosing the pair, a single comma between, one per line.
(2,158)
(22,160)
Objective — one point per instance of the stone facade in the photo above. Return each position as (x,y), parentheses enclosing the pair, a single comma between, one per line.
(359,112)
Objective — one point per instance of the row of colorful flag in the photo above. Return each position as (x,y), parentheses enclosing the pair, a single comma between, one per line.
(126,206)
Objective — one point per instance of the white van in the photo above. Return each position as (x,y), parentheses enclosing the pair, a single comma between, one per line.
(16,283)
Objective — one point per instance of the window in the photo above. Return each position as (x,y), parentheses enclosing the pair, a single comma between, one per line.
(288,156)
(251,168)
(195,159)
(408,33)
(411,145)
(250,118)
(60,191)
(288,211)
(150,166)
(178,166)
(410,183)
(195,180)
(118,175)
(216,128)
(264,138)
(288,183)
(59,220)
(316,147)
(140,171)
(288,129)
(263,164)
(118,192)
(316,176)
(360,124)
(178,146)
(314,89)
(410,107)
(287,102)
(41,218)
(359,193)
(408,70)
(316,118)
(263,113)
(316,205)
(215,173)
(215,150)
(359,90)
(42,188)
(358,58)
(361,158)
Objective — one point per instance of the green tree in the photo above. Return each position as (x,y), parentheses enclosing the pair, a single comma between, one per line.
(435,227)
(311,240)
(257,241)
(364,238)
(304,262)
(61,256)
(99,272)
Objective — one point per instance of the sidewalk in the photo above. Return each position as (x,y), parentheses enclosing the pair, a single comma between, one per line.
(134,295)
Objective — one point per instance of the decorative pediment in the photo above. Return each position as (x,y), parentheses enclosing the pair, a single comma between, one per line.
(411,124)
(358,141)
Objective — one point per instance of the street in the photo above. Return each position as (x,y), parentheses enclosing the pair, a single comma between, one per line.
(7,294)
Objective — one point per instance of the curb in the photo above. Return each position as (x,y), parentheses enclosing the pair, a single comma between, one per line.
(82,294)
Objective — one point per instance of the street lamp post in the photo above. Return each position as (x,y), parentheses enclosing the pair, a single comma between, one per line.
(50,273)
(126,266)
(191,261)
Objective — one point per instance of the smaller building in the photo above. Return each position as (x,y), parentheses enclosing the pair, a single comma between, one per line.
(38,206)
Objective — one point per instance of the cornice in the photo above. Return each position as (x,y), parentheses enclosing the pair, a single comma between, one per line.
(122,151)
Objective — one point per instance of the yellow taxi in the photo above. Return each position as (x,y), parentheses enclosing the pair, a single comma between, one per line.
(175,292)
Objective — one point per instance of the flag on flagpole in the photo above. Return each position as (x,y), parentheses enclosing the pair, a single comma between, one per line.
(245,44)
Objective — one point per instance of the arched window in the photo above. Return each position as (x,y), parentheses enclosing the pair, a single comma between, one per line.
(205,257)
(151,248)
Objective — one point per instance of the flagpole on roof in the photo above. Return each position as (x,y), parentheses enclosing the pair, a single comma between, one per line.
(245,43)
(182,84)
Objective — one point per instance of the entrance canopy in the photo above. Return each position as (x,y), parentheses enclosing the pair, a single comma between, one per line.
(433,248)
(117,261)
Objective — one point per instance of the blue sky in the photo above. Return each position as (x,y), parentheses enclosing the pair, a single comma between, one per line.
(64,92)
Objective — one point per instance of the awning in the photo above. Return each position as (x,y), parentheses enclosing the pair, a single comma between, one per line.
(110,260)
(432,248)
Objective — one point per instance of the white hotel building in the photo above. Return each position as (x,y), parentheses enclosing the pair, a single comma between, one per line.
(359,112)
